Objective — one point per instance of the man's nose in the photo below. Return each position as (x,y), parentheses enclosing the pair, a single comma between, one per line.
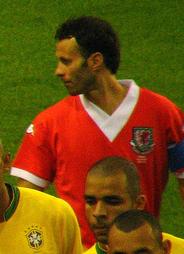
(60,69)
(100,209)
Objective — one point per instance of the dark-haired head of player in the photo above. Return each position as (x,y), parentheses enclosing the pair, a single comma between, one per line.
(137,232)
(112,187)
(87,50)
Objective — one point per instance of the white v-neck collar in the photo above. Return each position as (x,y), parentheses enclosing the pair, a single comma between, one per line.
(111,125)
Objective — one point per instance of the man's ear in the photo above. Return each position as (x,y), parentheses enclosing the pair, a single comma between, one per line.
(95,61)
(140,202)
(167,246)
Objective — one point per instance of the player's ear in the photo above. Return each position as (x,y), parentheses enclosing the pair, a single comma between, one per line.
(95,61)
(167,246)
(140,202)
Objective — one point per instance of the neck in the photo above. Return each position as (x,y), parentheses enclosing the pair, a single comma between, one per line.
(4,201)
(109,93)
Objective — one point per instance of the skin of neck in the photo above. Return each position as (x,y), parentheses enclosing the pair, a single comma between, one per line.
(108,93)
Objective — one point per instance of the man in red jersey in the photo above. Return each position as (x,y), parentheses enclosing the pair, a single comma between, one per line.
(102,117)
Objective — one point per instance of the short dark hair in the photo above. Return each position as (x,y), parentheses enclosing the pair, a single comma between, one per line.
(112,165)
(133,219)
(93,35)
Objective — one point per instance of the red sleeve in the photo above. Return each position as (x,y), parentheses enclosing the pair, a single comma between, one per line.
(34,154)
(176,140)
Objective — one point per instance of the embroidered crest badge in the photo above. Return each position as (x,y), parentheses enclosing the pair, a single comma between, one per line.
(142,140)
(34,237)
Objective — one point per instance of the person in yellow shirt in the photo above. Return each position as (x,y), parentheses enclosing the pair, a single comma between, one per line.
(136,231)
(112,187)
(35,222)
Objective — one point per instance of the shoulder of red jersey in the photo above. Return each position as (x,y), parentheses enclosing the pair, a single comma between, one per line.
(54,115)
(156,100)
(60,109)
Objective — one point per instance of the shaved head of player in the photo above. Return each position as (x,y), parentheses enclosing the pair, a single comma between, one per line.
(137,232)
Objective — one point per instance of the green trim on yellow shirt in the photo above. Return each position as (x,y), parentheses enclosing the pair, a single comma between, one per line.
(99,250)
(14,193)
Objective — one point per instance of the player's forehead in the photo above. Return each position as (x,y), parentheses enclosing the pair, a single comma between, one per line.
(98,175)
(98,184)
(66,47)
(134,241)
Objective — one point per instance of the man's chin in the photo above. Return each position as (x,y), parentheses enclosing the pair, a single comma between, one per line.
(73,92)
(102,239)
(101,236)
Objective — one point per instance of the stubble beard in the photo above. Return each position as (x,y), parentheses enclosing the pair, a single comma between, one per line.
(84,81)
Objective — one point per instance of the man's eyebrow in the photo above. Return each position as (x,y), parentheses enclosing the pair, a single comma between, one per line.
(112,196)
(104,197)
(88,196)
(143,250)
(63,58)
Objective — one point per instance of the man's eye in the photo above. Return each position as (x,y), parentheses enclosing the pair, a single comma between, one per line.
(65,61)
(90,201)
(113,201)
(144,251)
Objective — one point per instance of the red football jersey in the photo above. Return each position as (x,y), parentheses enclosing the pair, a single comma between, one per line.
(66,139)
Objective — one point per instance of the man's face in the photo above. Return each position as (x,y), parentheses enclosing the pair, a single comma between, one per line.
(138,241)
(105,198)
(72,68)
